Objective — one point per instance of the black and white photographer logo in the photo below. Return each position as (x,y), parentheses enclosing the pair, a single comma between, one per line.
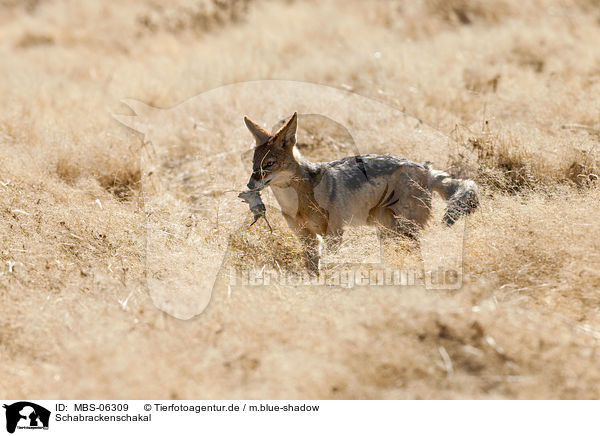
(26,415)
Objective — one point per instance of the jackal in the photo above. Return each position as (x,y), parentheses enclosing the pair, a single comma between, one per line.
(320,198)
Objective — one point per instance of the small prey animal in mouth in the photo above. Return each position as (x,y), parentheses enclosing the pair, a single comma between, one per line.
(257,207)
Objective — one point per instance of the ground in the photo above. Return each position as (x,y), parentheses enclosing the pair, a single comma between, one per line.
(512,86)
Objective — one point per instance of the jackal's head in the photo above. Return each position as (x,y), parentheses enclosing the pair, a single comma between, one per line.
(274,162)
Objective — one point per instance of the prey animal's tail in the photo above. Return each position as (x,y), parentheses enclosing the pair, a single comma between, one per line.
(462,195)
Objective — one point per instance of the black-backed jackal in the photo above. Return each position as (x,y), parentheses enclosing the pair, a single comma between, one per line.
(320,198)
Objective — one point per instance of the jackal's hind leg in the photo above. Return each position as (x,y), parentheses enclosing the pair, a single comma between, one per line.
(406,228)
(391,224)
(410,216)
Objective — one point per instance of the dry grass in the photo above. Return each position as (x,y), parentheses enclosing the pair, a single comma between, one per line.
(513,83)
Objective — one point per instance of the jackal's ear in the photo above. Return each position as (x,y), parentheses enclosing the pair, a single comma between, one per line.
(287,134)
(260,134)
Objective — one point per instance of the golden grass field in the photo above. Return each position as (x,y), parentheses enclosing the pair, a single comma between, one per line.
(514,86)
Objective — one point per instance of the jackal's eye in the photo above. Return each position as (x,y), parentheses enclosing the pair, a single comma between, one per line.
(268,165)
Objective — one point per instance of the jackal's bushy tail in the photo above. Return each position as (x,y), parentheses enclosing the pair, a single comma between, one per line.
(462,195)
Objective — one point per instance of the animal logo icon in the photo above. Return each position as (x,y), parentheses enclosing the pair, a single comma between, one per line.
(27,415)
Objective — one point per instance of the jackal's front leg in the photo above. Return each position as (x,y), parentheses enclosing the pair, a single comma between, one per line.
(333,235)
(310,244)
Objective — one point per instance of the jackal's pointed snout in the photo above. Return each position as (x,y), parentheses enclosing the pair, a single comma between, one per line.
(254,184)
